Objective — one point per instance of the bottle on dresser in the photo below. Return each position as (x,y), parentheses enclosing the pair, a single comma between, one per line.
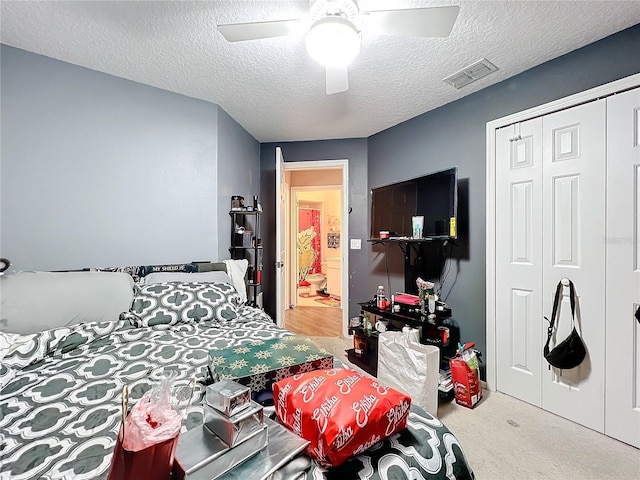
(380,297)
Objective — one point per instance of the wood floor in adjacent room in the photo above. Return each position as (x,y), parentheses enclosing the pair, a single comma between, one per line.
(314,321)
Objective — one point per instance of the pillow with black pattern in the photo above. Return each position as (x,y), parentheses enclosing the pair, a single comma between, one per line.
(170,303)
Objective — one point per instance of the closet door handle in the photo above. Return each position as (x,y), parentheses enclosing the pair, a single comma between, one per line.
(638,314)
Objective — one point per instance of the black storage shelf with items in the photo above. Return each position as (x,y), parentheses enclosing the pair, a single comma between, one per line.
(246,243)
(440,333)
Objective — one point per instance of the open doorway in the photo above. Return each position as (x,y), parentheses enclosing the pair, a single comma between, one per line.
(315,262)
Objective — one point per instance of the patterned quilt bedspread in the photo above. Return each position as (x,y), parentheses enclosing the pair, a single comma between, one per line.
(60,400)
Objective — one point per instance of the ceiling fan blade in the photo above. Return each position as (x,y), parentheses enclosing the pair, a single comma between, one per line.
(337,80)
(414,22)
(239,32)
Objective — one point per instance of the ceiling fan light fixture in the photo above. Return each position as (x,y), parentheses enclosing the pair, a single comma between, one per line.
(333,41)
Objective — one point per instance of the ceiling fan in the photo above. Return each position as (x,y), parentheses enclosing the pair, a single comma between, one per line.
(333,37)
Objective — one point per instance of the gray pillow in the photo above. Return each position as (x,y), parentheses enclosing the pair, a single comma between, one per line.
(211,266)
(32,302)
(160,277)
(170,303)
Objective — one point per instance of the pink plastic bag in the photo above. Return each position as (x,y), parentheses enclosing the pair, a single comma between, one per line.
(148,436)
(150,423)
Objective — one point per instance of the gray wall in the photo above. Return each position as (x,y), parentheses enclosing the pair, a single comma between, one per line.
(455,135)
(353,150)
(238,170)
(98,170)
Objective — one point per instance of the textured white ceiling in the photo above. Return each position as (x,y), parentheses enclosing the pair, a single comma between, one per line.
(272,87)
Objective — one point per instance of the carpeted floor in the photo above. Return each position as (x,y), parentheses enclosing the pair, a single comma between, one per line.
(338,347)
(504,438)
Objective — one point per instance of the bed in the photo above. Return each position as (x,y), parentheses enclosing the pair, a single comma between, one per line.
(60,399)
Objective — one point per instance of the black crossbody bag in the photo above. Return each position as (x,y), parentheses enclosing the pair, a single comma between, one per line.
(571,351)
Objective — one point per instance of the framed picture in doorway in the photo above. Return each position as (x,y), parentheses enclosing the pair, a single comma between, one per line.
(333,240)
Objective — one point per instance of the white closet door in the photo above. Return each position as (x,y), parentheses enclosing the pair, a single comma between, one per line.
(622,414)
(519,327)
(573,233)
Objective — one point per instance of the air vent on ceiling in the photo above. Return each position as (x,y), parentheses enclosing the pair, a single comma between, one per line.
(471,73)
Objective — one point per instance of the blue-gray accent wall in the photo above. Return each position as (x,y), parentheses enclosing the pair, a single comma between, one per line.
(455,135)
(238,172)
(98,170)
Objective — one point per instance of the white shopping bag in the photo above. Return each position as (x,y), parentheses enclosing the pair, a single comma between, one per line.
(409,366)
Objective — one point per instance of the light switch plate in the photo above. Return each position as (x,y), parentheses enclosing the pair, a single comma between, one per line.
(356,244)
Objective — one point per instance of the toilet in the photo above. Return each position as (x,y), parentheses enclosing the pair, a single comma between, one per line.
(317,280)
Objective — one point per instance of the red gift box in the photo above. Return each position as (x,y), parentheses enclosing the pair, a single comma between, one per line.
(406,299)
(341,412)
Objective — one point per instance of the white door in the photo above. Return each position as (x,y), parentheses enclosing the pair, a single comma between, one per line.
(622,414)
(573,229)
(519,327)
(550,224)
(280,238)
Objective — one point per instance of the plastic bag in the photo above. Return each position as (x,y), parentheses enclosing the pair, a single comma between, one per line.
(409,366)
(465,375)
(149,434)
(152,420)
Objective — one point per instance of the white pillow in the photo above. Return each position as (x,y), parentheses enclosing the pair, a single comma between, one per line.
(183,277)
(237,270)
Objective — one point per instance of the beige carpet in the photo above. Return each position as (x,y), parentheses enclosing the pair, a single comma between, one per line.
(504,438)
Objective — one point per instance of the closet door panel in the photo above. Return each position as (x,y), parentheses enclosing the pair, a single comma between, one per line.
(573,225)
(519,260)
(622,413)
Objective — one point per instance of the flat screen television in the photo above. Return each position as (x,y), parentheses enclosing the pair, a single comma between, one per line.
(433,196)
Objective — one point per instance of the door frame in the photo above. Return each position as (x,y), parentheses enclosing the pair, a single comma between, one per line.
(344,227)
(293,197)
(605,90)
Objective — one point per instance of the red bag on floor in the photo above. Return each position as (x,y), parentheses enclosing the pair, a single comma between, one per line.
(341,412)
(465,376)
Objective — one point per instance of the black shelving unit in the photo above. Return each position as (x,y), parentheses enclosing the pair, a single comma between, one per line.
(248,244)
(430,335)
(368,361)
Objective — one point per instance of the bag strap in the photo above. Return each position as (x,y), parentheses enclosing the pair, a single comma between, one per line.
(572,297)
(555,311)
(125,409)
